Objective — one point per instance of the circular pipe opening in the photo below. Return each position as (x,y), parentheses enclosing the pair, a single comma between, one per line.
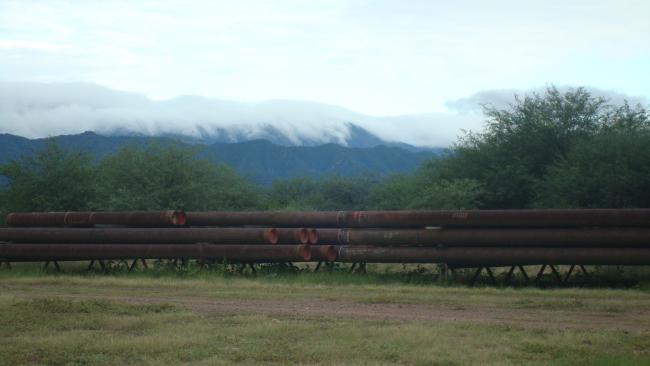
(301,235)
(313,236)
(331,253)
(179,218)
(9,220)
(305,252)
(271,235)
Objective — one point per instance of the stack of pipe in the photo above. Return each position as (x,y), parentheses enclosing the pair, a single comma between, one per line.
(75,236)
(472,238)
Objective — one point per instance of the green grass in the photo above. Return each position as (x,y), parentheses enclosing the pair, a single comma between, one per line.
(88,319)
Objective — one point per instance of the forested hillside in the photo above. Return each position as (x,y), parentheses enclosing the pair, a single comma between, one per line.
(551,150)
(259,160)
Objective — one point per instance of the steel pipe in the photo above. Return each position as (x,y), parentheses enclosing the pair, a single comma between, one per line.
(293,236)
(324,253)
(75,252)
(495,256)
(135,218)
(140,235)
(470,218)
(512,237)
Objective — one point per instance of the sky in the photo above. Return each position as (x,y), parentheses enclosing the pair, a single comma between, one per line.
(377,58)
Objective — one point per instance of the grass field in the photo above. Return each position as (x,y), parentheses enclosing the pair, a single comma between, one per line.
(311,318)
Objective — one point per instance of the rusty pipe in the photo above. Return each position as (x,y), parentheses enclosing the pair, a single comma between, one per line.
(511,237)
(313,236)
(324,253)
(140,235)
(293,236)
(413,219)
(72,218)
(495,256)
(75,252)
(264,218)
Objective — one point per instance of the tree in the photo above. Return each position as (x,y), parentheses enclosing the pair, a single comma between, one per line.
(522,141)
(52,179)
(611,169)
(298,193)
(170,176)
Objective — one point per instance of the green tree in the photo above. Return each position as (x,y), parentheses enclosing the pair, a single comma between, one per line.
(443,194)
(298,193)
(52,179)
(522,141)
(396,192)
(328,193)
(171,176)
(611,169)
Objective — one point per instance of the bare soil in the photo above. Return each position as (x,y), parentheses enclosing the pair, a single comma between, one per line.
(628,321)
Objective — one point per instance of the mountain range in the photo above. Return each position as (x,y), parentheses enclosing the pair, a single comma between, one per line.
(37,110)
(260,160)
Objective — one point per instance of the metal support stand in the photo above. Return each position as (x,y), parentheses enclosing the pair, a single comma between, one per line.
(512,271)
(318,266)
(359,267)
(7,263)
(568,274)
(54,263)
(556,274)
(540,273)
(101,264)
(567,277)
(135,263)
(362,268)
(443,272)
(478,273)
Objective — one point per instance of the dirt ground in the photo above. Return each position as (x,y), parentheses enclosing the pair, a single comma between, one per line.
(637,321)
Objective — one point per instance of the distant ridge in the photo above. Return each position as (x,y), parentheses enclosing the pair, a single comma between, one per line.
(37,110)
(260,160)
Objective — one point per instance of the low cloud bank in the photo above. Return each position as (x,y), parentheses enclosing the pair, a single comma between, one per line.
(37,110)
(47,109)
(503,98)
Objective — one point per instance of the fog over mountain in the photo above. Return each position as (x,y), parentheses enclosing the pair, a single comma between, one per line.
(503,98)
(46,109)
(36,110)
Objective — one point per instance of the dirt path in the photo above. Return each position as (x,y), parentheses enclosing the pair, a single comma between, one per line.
(630,321)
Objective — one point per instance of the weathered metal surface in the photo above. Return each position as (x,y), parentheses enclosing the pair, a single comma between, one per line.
(263,218)
(293,236)
(135,218)
(140,235)
(324,253)
(385,219)
(313,236)
(73,252)
(470,257)
(511,237)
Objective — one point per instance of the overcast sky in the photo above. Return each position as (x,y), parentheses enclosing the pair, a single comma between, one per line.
(379,58)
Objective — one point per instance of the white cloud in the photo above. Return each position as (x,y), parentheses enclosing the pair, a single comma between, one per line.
(39,110)
(379,57)
(503,98)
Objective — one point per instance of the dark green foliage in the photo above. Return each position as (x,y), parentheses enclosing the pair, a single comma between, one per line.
(329,193)
(171,176)
(539,138)
(421,191)
(52,179)
(259,160)
(611,169)
(550,150)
